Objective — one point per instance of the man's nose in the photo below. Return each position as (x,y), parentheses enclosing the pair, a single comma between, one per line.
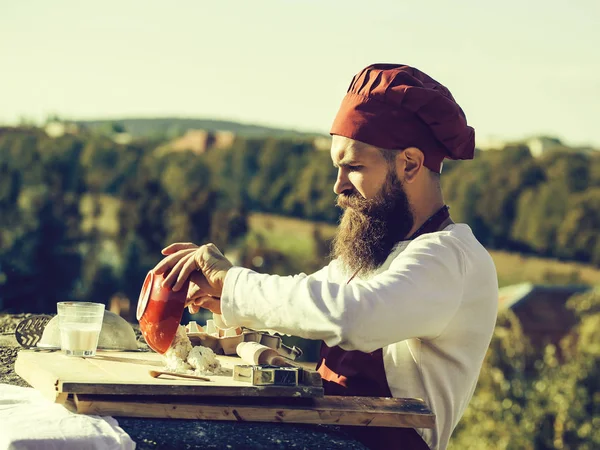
(342,183)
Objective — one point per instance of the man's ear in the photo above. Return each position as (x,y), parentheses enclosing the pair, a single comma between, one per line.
(410,163)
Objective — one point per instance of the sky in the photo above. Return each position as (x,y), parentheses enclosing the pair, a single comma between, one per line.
(517,68)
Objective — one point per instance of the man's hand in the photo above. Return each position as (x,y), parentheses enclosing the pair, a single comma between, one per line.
(198,298)
(183,261)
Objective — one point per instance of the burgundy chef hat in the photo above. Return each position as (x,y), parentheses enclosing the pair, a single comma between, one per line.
(394,106)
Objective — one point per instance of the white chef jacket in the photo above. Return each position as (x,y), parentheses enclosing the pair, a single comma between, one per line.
(431,307)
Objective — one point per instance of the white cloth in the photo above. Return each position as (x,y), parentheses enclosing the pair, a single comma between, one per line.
(30,421)
(431,307)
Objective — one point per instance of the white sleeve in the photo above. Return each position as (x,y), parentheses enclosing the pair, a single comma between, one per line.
(415,298)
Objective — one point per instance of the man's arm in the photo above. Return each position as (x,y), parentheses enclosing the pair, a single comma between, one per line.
(416,297)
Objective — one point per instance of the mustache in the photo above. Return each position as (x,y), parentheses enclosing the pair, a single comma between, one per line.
(351,200)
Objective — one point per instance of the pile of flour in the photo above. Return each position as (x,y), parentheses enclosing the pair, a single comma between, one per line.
(183,358)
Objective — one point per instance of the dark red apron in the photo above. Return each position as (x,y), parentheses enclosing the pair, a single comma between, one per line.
(361,374)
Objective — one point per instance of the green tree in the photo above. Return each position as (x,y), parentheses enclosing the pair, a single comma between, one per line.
(135,264)
(41,260)
(311,195)
(39,255)
(540,212)
(569,169)
(578,235)
(279,166)
(462,190)
(508,174)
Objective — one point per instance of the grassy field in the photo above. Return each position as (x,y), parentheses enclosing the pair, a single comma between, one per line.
(294,237)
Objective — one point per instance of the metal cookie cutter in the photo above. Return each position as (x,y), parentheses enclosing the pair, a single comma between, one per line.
(265,375)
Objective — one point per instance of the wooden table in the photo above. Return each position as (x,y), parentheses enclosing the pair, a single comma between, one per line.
(119,384)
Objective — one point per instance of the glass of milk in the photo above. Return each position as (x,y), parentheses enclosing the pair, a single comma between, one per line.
(80,324)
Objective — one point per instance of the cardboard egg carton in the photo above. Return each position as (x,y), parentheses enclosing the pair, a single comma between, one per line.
(224,341)
(212,329)
(219,340)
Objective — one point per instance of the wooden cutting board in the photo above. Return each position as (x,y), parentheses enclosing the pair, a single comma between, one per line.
(119,384)
(127,373)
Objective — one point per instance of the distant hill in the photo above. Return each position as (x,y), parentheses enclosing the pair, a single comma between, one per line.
(172,127)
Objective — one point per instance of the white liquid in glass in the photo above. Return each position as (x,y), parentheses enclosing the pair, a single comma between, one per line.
(79,339)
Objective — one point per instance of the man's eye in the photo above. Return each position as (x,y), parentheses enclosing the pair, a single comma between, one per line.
(354,167)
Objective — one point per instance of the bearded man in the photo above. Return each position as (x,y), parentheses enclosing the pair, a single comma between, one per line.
(408,305)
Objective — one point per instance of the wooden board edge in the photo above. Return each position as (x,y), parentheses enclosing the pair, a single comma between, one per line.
(191,390)
(39,378)
(284,413)
(70,403)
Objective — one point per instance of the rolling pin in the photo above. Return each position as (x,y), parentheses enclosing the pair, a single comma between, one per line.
(254,353)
